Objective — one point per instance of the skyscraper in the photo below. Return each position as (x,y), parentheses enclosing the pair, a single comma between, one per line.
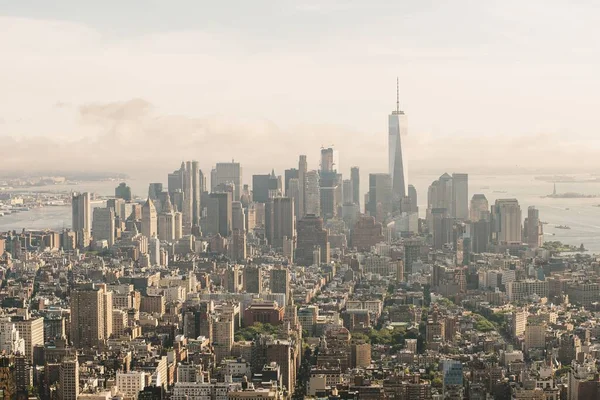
(154,190)
(223,329)
(479,204)
(412,195)
(253,279)
(188,201)
(229,173)
(263,186)
(355,178)
(238,217)
(280,281)
(181,193)
(397,164)
(149,219)
(302,167)
(347,191)
(68,379)
(81,217)
(166,222)
(91,316)
(175,182)
(328,201)
(289,174)
(312,196)
(238,245)
(32,331)
(293,192)
(506,221)
(439,195)
(279,220)
(533,228)
(460,196)
(220,213)
(103,225)
(328,162)
(197,188)
(123,192)
(380,190)
(311,234)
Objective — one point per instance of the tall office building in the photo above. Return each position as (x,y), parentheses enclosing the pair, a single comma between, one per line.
(302,169)
(185,188)
(440,194)
(187,212)
(81,217)
(442,227)
(293,192)
(123,192)
(312,196)
(479,205)
(238,245)
(91,315)
(229,173)
(380,192)
(480,235)
(265,187)
(311,235)
(149,219)
(355,178)
(197,189)
(223,330)
(460,196)
(220,212)
(175,181)
(533,228)
(398,127)
(154,190)
(279,220)
(32,332)
(103,225)
(328,202)
(253,281)
(328,160)
(238,217)
(412,195)
(412,253)
(347,192)
(280,281)
(506,221)
(166,222)
(289,174)
(68,379)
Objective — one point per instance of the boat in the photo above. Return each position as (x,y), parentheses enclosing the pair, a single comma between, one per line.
(562,227)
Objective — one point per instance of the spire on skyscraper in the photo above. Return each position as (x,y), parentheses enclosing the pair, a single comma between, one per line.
(397,95)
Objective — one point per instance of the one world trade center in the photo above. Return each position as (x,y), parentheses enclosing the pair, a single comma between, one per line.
(397,163)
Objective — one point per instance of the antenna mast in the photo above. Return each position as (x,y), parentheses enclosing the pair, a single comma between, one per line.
(397,95)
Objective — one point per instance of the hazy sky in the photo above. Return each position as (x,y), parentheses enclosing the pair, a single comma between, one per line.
(133,85)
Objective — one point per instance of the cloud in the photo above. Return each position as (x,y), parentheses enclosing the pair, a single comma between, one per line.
(133,137)
(475,102)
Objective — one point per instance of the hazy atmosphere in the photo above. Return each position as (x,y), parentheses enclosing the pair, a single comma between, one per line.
(131,87)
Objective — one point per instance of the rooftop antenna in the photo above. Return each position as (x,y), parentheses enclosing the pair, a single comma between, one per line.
(397,95)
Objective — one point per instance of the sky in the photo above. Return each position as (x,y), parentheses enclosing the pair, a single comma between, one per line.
(138,86)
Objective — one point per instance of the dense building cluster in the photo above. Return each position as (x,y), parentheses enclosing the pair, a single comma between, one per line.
(212,289)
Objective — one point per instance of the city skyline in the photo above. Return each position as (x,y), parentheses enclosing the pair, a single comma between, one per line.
(235,218)
(451,89)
